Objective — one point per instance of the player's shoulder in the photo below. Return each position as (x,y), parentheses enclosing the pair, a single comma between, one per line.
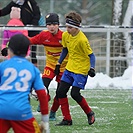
(82,36)
(65,33)
(59,34)
(3,63)
(7,64)
(32,68)
(45,33)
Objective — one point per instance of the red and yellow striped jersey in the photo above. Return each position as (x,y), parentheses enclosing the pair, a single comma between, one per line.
(53,47)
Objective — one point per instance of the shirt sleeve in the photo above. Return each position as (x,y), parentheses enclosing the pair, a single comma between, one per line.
(63,39)
(63,55)
(92,60)
(42,96)
(38,39)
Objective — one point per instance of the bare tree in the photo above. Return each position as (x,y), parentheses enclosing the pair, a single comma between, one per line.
(128,21)
(117,41)
(88,7)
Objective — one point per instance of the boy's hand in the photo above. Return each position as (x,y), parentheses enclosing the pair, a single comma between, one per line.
(44,125)
(57,69)
(91,72)
(4,52)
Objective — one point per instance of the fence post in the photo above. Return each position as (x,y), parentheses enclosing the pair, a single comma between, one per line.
(108,53)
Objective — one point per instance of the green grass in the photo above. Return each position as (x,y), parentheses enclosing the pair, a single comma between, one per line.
(113,110)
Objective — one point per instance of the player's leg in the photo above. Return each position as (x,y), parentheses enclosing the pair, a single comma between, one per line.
(65,84)
(63,101)
(46,82)
(47,77)
(55,105)
(26,126)
(4,126)
(78,84)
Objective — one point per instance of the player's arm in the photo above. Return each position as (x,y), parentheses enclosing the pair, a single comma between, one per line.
(91,72)
(40,38)
(88,50)
(42,97)
(36,40)
(92,60)
(62,57)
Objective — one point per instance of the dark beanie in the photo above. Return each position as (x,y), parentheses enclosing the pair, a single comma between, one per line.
(19,44)
(52,18)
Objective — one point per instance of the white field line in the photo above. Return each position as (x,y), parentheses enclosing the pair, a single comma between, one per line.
(106,102)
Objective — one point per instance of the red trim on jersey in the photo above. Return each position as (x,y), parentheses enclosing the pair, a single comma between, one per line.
(54,54)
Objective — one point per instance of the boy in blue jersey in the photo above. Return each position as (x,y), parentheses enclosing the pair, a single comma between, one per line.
(17,77)
(81,63)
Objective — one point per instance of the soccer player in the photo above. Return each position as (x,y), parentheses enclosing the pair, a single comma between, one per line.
(17,77)
(51,40)
(81,63)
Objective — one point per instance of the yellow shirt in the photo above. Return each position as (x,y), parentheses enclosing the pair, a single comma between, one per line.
(78,50)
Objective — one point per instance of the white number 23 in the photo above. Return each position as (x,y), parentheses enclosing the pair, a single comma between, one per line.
(12,75)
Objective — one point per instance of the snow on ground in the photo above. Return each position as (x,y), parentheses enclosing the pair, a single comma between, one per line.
(103,81)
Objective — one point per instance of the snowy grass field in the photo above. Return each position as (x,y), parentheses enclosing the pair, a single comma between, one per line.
(113,110)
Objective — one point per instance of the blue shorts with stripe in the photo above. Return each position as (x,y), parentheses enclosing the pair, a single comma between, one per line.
(77,80)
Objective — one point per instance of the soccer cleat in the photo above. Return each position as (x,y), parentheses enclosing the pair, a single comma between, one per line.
(65,123)
(91,117)
(38,108)
(52,116)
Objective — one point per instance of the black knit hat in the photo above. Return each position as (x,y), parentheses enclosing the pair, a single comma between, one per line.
(52,18)
(19,44)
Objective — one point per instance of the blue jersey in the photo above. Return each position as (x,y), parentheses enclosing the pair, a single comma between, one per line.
(17,77)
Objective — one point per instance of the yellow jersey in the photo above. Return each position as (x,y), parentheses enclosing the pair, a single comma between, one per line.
(78,49)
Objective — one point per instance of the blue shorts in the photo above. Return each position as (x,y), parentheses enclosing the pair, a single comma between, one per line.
(77,80)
